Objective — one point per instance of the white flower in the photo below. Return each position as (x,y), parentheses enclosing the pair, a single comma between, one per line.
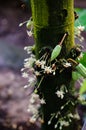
(81,28)
(60,127)
(28,49)
(34,98)
(78,31)
(81,38)
(57,115)
(62,107)
(55,126)
(64,123)
(66,65)
(60,94)
(29,62)
(30,33)
(81,98)
(26,86)
(49,122)
(54,73)
(40,63)
(48,70)
(76,116)
(70,115)
(32,109)
(22,69)
(25,75)
(20,24)
(42,101)
(32,81)
(37,73)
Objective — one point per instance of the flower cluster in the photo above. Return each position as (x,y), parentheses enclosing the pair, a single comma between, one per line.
(49,64)
(29,25)
(27,71)
(60,94)
(34,106)
(63,121)
(78,31)
(43,67)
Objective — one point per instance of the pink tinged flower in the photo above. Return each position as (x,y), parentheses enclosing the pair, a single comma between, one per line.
(47,70)
(32,120)
(43,64)
(38,63)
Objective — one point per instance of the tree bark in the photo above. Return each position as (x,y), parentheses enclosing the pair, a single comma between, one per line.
(53,18)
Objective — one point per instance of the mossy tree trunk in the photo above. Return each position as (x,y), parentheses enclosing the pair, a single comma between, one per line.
(52,18)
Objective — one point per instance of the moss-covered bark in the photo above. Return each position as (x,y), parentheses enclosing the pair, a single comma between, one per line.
(52,18)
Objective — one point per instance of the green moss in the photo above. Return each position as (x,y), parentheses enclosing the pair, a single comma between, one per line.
(40,13)
(51,20)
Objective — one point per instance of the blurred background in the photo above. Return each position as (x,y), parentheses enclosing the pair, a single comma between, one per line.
(13,97)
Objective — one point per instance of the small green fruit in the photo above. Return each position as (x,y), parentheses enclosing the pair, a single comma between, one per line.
(56,51)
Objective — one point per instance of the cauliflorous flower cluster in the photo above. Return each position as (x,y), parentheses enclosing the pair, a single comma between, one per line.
(43,67)
(78,31)
(49,65)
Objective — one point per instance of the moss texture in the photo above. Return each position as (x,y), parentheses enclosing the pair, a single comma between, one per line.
(52,18)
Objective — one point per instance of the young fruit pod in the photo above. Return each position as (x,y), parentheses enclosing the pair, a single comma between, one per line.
(81,69)
(56,51)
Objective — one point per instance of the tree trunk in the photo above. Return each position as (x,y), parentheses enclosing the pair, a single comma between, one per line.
(52,19)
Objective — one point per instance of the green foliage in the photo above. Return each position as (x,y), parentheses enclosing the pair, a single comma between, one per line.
(82,17)
(76,75)
(83,59)
(81,69)
(83,87)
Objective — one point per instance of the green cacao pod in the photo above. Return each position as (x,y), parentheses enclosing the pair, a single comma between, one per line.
(56,51)
(81,69)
